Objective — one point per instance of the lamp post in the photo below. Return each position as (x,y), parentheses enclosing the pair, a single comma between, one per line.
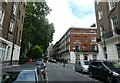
(104,44)
(14,37)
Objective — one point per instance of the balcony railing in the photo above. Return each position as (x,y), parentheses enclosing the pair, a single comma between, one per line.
(108,34)
(117,30)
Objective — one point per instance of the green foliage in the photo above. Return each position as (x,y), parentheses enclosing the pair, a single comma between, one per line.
(37,30)
(35,52)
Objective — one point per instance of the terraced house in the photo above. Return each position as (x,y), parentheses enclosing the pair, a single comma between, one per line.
(11,28)
(108,24)
(77,43)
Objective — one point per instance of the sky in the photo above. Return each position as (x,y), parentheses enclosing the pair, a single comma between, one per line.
(70,13)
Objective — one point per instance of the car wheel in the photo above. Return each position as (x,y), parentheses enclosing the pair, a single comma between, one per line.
(75,69)
(109,79)
(90,74)
(81,71)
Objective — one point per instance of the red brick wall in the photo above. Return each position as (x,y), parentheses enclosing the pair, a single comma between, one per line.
(83,36)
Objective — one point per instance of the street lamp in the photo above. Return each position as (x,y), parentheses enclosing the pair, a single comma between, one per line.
(104,43)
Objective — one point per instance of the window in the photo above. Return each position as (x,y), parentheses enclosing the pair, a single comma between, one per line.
(20,36)
(11,26)
(98,1)
(2,51)
(114,23)
(0,14)
(19,14)
(111,4)
(101,32)
(14,8)
(93,39)
(100,14)
(94,47)
(77,48)
(1,17)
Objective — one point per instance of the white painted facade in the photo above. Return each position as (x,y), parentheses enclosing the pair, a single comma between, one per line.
(111,49)
(6,49)
(73,57)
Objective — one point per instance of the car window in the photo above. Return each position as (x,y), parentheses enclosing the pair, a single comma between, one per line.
(26,76)
(112,65)
(9,76)
(99,64)
(77,62)
(85,63)
(94,63)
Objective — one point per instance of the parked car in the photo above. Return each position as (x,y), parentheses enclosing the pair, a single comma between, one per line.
(82,66)
(42,67)
(28,72)
(108,71)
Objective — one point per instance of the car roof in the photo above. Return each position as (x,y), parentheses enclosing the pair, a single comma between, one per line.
(83,60)
(101,61)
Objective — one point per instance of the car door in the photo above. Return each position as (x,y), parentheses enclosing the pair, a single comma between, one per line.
(76,65)
(93,68)
(79,66)
(101,70)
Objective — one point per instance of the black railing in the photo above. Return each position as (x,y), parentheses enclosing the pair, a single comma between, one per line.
(117,30)
(108,34)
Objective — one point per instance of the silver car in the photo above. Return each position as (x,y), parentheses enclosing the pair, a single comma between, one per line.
(82,66)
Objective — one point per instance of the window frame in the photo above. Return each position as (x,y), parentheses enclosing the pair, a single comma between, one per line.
(112,4)
(114,23)
(1,18)
(100,14)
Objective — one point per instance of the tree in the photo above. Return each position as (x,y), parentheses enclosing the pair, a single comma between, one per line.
(36,30)
(35,52)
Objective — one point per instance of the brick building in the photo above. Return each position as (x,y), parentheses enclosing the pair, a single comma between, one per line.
(75,44)
(108,29)
(11,28)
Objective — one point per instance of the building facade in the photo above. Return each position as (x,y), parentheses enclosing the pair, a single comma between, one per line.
(108,29)
(76,44)
(11,28)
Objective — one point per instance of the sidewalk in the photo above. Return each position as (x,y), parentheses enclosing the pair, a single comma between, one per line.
(8,66)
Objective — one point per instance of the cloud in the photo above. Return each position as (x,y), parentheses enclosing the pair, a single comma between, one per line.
(81,8)
(67,13)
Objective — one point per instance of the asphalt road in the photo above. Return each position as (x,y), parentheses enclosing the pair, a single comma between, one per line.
(55,72)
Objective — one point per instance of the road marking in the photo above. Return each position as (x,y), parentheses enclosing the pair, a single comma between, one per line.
(46,77)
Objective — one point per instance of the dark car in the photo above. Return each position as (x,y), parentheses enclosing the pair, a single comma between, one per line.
(108,71)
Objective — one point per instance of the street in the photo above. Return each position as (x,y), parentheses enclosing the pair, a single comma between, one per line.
(56,72)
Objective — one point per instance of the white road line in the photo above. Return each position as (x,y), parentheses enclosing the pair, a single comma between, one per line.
(46,77)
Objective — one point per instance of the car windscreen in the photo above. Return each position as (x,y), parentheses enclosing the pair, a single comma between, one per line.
(112,65)
(26,76)
(85,63)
